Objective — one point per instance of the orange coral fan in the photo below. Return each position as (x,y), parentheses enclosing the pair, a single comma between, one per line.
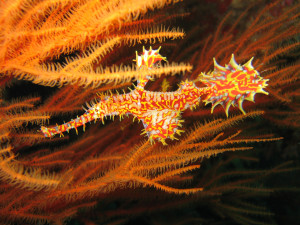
(34,32)
(85,43)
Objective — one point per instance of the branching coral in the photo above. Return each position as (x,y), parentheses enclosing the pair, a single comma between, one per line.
(110,171)
(33,33)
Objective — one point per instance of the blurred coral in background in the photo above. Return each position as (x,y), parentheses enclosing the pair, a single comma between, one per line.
(57,55)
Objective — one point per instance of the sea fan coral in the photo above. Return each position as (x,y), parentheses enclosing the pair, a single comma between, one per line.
(57,55)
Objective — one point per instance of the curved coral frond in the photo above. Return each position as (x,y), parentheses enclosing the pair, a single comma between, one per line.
(33,38)
(30,178)
(219,168)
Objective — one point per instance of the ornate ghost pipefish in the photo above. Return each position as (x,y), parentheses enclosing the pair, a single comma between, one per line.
(160,112)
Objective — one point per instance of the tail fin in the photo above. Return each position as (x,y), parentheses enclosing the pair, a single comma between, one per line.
(232,84)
